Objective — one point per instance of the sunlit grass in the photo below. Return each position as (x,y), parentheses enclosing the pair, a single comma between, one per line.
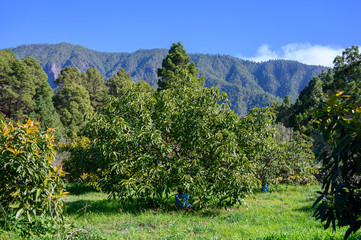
(283,213)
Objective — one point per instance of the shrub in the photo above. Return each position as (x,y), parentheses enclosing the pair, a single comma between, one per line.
(30,186)
(278,153)
(339,202)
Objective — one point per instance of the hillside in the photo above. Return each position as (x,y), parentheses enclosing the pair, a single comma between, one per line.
(247,83)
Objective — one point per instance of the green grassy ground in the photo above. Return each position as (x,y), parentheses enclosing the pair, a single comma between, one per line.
(283,213)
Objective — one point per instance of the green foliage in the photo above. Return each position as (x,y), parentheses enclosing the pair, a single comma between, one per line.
(339,202)
(79,169)
(73,103)
(24,91)
(284,111)
(348,73)
(47,116)
(119,82)
(94,83)
(279,155)
(177,62)
(345,76)
(30,186)
(144,145)
(72,100)
(68,75)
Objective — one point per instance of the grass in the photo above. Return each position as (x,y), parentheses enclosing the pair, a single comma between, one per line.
(283,213)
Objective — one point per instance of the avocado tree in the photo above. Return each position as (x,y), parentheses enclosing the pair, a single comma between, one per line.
(276,155)
(339,202)
(30,186)
(146,144)
(339,119)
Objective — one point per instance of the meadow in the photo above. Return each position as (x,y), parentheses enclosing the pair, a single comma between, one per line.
(283,213)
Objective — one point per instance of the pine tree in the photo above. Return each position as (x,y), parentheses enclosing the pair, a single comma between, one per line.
(68,75)
(176,63)
(73,103)
(94,83)
(25,91)
(118,82)
(72,100)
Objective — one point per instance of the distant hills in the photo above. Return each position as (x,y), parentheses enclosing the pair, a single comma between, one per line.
(248,84)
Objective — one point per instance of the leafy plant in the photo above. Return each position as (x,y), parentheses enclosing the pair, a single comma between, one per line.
(277,155)
(28,180)
(146,144)
(339,202)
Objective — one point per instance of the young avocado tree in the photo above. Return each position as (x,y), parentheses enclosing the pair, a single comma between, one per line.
(274,155)
(30,186)
(339,120)
(145,144)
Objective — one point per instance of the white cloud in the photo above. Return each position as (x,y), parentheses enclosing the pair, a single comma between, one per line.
(302,52)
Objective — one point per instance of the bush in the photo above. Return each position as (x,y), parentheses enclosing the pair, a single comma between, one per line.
(30,186)
(279,153)
(339,202)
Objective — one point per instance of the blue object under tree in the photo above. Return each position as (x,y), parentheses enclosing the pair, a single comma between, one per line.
(181,200)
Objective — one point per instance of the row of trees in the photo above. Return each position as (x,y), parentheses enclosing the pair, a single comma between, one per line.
(25,93)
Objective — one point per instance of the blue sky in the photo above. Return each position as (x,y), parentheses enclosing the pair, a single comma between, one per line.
(308,31)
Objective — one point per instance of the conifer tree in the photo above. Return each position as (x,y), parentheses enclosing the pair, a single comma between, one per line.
(176,63)
(73,103)
(72,100)
(25,92)
(119,82)
(68,75)
(94,83)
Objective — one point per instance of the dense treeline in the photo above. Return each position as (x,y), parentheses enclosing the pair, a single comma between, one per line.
(248,84)
(25,93)
(345,77)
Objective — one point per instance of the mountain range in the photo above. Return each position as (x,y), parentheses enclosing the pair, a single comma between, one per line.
(247,83)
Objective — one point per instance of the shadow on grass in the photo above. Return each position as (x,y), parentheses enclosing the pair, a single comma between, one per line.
(113,207)
(307,208)
(79,188)
(104,206)
(133,206)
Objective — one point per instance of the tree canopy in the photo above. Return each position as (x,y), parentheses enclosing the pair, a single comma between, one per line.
(25,92)
(176,63)
(344,76)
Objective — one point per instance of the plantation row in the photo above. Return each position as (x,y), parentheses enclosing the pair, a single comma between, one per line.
(144,145)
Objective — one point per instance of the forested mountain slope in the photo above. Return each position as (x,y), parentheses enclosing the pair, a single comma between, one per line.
(247,83)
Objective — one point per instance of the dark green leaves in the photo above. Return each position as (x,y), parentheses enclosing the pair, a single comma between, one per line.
(340,122)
